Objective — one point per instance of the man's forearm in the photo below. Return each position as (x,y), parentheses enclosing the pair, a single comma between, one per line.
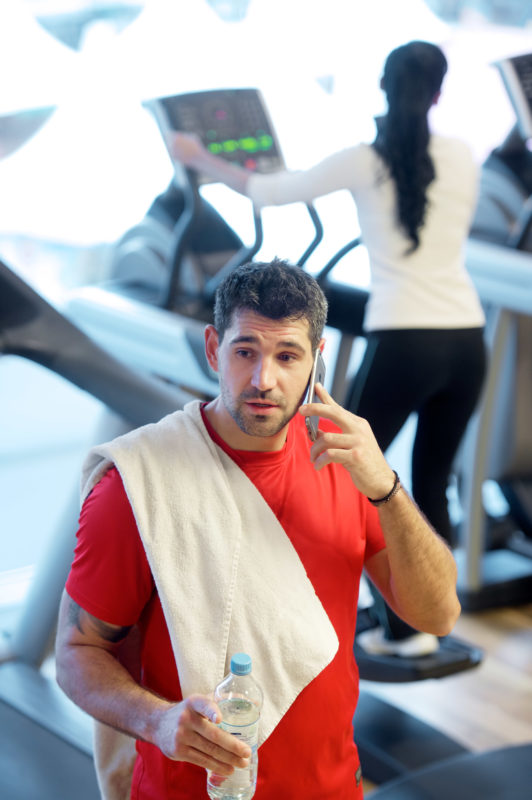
(416,571)
(422,570)
(96,681)
(90,669)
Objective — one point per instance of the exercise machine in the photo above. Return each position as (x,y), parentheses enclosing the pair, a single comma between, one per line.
(165,270)
(497,570)
(496,774)
(45,740)
(179,253)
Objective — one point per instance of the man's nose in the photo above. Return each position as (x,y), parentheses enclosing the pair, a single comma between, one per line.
(264,377)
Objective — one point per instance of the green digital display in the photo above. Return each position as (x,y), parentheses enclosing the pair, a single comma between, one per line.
(231,123)
(247,144)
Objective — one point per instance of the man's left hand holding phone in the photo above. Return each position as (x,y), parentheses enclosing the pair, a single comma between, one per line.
(316,376)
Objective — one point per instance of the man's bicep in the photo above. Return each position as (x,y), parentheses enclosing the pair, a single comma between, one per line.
(76,627)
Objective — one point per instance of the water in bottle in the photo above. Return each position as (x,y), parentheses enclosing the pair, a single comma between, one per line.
(239,698)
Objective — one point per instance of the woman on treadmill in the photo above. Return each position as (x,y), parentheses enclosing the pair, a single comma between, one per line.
(415,194)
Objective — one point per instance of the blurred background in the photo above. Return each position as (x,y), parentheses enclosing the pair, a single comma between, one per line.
(76,72)
(81,161)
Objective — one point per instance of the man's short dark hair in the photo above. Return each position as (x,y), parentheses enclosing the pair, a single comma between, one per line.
(277,290)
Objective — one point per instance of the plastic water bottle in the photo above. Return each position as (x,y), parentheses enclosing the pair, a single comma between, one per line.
(239,698)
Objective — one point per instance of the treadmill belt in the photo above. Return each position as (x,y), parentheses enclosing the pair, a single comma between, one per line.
(494,775)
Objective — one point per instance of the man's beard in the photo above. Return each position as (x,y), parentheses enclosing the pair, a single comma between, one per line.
(258,424)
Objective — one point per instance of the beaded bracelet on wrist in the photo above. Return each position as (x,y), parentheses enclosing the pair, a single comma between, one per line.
(387,497)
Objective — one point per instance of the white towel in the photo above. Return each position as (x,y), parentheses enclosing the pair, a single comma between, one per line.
(228,577)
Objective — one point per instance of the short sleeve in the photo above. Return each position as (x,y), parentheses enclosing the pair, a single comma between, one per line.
(374,535)
(110,577)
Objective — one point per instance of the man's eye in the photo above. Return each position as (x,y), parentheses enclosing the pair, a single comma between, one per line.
(244,353)
(287,357)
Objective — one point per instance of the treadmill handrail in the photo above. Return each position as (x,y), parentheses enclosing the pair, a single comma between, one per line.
(318,235)
(329,266)
(501,275)
(35,330)
(245,254)
(182,232)
(522,226)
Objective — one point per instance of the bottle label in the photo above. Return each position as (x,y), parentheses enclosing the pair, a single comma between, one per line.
(241,718)
(247,733)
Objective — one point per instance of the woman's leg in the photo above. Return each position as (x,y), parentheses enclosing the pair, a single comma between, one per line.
(379,391)
(439,374)
(442,422)
(387,388)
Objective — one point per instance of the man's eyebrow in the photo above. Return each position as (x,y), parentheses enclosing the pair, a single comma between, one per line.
(244,339)
(287,344)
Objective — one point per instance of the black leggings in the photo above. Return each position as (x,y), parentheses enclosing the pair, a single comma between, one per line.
(438,374)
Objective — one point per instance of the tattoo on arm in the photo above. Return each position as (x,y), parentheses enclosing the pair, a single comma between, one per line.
(74,615)
(111,633)
(82,619)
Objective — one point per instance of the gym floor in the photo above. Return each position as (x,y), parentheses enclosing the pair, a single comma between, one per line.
(487,707)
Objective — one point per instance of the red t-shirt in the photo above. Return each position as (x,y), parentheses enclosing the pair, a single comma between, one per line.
(311,753)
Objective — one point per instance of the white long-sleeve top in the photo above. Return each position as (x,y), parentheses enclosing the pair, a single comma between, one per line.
(429,288)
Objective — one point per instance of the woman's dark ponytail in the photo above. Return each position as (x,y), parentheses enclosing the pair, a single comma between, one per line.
(412,77)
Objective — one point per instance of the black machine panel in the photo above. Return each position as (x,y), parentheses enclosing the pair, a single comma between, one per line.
(232,123)
(516,73)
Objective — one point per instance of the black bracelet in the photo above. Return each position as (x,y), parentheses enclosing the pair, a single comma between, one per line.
(393,491)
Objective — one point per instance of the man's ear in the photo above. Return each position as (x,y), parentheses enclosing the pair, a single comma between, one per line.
(321,345)
(211,346)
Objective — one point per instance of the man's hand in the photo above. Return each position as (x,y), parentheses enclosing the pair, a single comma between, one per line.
(355,448)
(187,732)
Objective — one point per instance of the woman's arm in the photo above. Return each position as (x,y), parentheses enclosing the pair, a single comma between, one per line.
(189,150)
(338,171)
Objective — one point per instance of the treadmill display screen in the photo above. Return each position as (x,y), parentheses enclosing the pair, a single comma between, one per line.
(516,73)
(232,123)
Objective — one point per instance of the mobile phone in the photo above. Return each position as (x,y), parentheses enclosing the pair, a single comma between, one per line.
(316,376)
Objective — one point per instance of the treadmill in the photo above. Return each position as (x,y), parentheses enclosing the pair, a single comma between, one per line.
(496,568)
(179,253)
(166,269)
(45,740)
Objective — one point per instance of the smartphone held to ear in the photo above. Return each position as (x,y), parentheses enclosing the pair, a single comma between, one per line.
(316,376)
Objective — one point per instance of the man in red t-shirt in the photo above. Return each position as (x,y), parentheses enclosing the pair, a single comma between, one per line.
(269,320)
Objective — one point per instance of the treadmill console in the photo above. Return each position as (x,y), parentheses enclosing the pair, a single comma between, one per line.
(516,73)
(232,123)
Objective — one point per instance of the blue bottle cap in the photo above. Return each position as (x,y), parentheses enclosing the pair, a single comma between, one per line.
(241,664)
